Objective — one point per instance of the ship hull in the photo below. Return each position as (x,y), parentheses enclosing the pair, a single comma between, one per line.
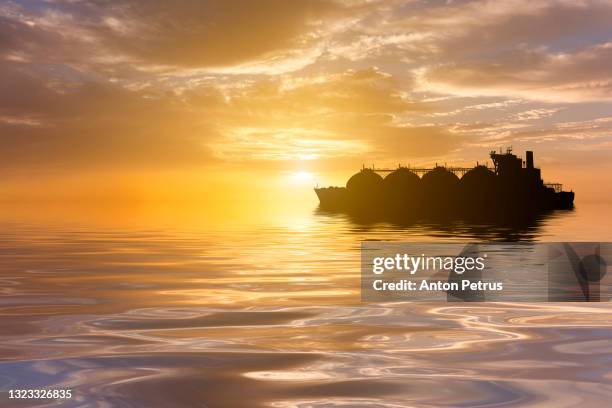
(564,199)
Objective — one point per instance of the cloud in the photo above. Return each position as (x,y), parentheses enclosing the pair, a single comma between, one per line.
(472,29)
(87,124)
(479,107)
(353,113)
(414,142)
(546,51)
(534,114)
(577,130)
(94,125)
(185,34)
(285,144)
(595,132)
(537,75)
(212,32)
(419,32)
(368,91)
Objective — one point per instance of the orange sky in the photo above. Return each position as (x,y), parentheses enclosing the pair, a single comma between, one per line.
(177,100)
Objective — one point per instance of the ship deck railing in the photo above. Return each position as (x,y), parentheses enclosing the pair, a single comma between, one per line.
(558,187)
(422,170)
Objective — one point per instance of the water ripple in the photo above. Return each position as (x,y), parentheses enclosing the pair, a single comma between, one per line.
(271,318)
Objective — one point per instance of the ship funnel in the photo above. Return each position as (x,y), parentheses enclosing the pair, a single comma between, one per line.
(529,159)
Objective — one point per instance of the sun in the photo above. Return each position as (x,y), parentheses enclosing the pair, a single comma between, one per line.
(302,177)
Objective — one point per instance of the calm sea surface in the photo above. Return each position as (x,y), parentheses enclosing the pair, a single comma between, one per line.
(267,314)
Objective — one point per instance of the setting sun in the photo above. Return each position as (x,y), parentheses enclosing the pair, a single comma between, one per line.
(302,177)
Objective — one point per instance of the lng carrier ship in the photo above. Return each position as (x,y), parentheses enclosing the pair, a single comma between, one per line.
(511,186)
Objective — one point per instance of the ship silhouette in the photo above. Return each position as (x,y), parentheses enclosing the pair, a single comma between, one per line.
(512,187)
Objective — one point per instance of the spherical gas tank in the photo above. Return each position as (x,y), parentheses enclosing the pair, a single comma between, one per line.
(478,180)
(478,189)
(402,187)
(365,190)
(402,179)
(440,188)
(366,180)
